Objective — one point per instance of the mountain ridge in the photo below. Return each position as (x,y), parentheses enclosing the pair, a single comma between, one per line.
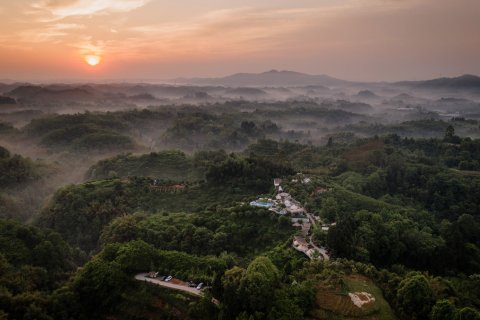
(268,78)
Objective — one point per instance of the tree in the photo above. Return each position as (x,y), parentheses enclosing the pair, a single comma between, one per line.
(443,310)
(468,314)
(415,297)
(258,283)
(449,133)
(330,142)
(99,285)
(340,238)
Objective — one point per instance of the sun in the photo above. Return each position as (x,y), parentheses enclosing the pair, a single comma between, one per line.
(92,60)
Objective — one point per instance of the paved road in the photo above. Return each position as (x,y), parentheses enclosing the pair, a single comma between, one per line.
(321,250)
(143,277)
(312,219)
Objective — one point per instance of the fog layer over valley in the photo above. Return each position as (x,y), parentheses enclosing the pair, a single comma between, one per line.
(66,128)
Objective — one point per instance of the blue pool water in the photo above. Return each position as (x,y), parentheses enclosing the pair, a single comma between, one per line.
(260,203)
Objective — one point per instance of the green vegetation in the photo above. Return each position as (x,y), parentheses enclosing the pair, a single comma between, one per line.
(80,212)
(20,181)
(33,263)
(165,165)
(402,216)
(333,301)
(241,230)
(80,133)
(258,291)
(193,131)
(15,169)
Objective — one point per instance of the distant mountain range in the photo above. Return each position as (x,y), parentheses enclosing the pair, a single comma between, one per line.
(291,78)
(269,78)
(273,78)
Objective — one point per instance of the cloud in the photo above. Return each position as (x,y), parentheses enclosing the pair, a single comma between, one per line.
(49,33)
(67,8)
(236,31)
(88,46)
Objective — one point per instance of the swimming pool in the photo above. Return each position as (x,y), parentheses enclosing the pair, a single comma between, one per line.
(261,203)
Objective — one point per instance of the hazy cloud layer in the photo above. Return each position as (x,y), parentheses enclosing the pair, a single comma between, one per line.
(353,39)
(68,8)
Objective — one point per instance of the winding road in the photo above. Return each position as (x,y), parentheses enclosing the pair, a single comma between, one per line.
(179,287)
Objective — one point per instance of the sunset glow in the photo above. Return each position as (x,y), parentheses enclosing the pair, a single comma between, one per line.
(351,39)
(93,60)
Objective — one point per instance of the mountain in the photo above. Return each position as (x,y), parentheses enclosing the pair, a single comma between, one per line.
(269,78)
(465,82)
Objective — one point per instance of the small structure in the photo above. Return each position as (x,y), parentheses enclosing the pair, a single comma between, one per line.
(300,220)
(283,196)
(300,244)
(306,180)
(293,207)
(277,182)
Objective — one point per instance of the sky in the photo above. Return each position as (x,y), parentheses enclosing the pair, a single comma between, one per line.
(367,40)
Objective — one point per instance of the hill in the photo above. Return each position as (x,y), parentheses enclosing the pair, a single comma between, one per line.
(465,82)
(169,165)
(270,78)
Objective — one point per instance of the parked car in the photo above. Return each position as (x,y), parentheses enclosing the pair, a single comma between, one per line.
(168,278)
(162,278)
(200,286)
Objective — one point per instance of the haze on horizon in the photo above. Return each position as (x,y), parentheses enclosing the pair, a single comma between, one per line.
(366,40)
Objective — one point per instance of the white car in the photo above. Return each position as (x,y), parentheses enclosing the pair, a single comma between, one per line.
(200,286)
(169,278)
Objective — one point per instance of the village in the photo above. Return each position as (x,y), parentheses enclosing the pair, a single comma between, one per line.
(285,204)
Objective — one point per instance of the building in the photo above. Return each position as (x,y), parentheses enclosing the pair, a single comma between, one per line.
(300,244)
(283,196)
(277,182)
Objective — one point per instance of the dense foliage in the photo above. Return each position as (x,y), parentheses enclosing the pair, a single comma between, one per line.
(165,165)
(33,262)
(15,169)
(242,230)
(400,220)
(80,212)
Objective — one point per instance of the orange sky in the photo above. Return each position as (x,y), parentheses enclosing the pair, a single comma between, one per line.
(160,39)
